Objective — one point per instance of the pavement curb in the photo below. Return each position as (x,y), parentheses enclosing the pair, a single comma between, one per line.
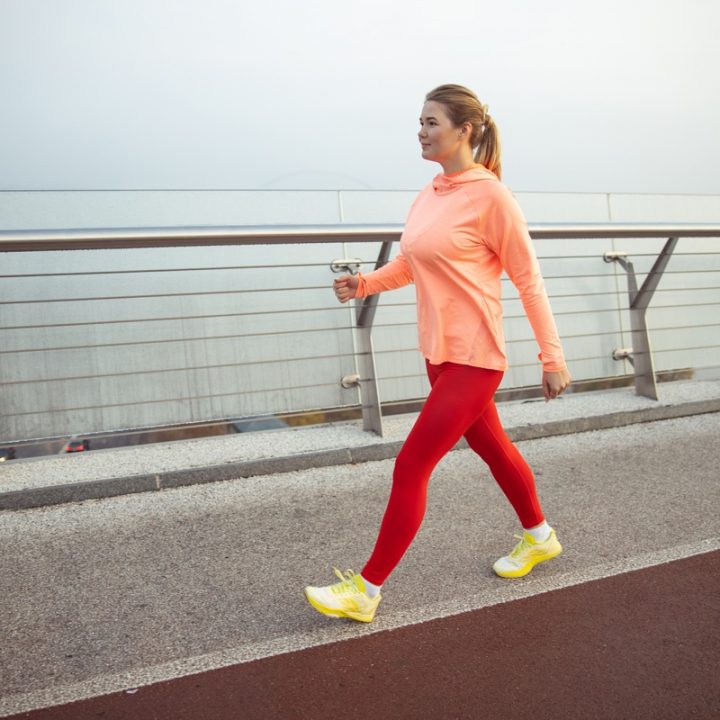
(112,487)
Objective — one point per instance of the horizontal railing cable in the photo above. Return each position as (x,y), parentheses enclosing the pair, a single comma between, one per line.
(174,318)
(688,349)
(161,270)
(152,296)
(188,368)
(668,328)
(202,338)
(225,268)
(155,296)
(180,399)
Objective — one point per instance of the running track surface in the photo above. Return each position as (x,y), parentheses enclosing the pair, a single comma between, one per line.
(645,644)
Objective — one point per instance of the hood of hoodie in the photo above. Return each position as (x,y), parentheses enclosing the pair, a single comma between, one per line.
(443,184)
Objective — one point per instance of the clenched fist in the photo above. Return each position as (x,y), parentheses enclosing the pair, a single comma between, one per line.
(345,287)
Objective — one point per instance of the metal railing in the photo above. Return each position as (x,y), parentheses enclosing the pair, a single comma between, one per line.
(295,340)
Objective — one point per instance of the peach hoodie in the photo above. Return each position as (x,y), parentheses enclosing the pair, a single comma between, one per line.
(462,231)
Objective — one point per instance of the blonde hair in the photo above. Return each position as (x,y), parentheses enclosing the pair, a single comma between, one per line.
(462,106)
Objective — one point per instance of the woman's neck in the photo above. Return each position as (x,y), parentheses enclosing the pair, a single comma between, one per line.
(459,163)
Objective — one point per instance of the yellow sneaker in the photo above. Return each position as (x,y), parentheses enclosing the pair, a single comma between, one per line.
(526,555)
(346,598)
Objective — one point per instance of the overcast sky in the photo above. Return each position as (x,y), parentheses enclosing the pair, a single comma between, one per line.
(606,96)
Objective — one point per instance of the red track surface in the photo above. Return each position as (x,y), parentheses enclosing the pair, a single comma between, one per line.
(644,644)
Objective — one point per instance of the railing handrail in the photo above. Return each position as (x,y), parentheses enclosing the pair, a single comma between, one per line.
(126,238)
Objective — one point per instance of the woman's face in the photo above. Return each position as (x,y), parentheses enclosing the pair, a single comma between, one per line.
(439,138)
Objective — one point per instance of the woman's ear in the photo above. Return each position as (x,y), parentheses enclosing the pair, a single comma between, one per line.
(466,130)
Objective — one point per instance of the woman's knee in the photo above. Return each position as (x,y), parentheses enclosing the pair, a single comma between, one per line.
(405,467)
(411,471)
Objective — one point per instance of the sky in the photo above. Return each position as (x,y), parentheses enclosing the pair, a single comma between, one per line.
(612,96)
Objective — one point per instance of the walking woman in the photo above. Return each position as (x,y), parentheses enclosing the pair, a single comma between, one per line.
(462,231)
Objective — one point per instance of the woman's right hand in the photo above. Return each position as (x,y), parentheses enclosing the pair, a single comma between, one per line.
(345,287)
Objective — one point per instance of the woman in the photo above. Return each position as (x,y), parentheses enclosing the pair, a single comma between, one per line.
(462,231)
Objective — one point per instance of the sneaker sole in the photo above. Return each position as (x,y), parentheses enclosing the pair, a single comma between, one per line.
(331,612)
(523,571)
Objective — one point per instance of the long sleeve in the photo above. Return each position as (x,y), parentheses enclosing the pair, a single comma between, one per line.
(509,237)
(395,274)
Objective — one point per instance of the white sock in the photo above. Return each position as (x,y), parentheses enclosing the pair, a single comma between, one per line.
(539,533)
(370,589)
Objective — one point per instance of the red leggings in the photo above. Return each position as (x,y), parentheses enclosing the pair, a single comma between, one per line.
(460,403)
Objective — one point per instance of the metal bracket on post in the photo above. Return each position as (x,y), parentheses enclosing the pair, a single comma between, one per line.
(640,355)
(365,314)
(349,265)
(624,354)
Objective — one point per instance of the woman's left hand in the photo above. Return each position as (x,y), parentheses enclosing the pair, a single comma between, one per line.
(555,383)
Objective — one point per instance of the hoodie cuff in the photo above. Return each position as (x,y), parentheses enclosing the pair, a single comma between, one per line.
(361,290)
(552,365)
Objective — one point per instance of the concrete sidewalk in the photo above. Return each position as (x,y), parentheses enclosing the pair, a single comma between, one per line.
(54,480)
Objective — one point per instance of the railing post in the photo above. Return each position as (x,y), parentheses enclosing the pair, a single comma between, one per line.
(369,392)
(640,354)
(366,377)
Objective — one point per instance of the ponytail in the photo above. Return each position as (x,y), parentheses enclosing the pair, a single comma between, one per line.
(488,149)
